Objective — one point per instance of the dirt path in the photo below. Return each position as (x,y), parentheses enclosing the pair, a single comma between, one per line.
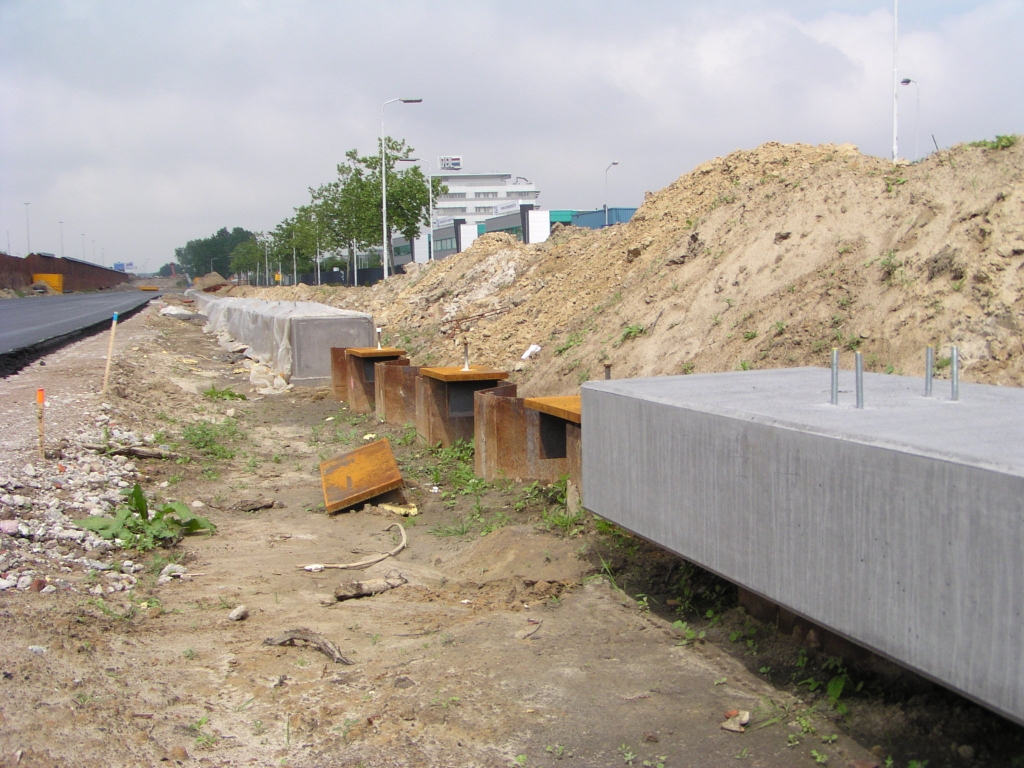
(501,649)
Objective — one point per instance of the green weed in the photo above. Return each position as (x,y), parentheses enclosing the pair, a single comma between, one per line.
(631,332)
(222,394)
(1001,142)
(210,439)
(139,528)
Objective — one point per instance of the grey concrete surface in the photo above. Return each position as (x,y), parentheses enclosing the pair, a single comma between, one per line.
(900,526)
(313,337)
(33,320)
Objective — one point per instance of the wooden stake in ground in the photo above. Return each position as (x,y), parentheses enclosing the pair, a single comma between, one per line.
(40,403)
(110,354)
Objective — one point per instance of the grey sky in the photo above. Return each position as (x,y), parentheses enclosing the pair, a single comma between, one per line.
(147,124)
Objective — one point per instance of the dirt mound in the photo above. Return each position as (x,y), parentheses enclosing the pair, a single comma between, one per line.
(763,258)
(523,552)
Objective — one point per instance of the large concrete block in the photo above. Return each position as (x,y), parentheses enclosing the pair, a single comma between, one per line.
(313,337)
(899,526)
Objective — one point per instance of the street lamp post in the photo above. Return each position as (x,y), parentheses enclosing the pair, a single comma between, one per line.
(917,111)
(28,237)
(895,76)
(61,238)
(430,198)
(614,162)
(384,176)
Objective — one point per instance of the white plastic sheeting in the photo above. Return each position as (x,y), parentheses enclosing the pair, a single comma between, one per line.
(291,340)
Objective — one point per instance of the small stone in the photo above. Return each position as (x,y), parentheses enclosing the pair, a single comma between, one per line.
(241,613)
(197,504)
(48,590)
(650,738)
(24,582)
(230,413)
(37,649)
(7,584)
(172,568)
(965,751)
(178,754)
(28,470)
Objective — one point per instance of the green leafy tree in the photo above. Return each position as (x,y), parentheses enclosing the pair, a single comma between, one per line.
(350,208)
(169,269)
(247,256)
(211,254)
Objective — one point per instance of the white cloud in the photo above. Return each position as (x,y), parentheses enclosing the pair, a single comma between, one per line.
(148,124)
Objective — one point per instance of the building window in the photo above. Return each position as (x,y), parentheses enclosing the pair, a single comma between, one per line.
(452,196)
(445,244)
(446,211)
(515,231)
(484,194)
(485,209)
(521,195)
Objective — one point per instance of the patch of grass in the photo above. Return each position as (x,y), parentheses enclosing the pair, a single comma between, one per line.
(744,365)
(631,332)
(893,183)
(749,335)
(779,328)
(574,340)
(890,265)
(1001,142)
(222,394)
(210,438)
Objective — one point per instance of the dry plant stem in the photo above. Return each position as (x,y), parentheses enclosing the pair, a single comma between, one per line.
(359,565)
(322,644)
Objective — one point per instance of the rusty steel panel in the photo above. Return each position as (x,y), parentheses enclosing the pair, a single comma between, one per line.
(339,373)
(574,453)
(359,475)
(395,391)
(362,395)
(475,373)
(495,416)
(444,409)
(511,439)
(567,408)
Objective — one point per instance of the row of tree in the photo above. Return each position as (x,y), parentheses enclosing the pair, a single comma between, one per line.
(341,219)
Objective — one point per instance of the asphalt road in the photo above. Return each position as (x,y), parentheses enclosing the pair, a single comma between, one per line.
(35,319)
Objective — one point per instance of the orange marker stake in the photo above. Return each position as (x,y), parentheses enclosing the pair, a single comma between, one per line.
(40,403)
(110,355)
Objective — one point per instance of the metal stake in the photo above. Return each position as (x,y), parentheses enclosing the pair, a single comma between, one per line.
(378,338)
(835,376)
(929,369)
(955,373)
(607,371)
(860,379)
(465,355)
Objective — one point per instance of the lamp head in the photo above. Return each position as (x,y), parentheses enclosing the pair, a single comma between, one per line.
(906,81)
(411,101)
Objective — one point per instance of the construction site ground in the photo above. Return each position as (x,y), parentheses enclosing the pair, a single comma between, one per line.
(523,635)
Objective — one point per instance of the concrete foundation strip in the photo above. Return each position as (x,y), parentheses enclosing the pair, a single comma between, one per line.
(359,565)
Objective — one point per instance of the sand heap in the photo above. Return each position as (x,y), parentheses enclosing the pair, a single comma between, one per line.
(760,259)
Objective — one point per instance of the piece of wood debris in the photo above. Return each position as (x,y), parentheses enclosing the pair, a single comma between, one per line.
(139,451)
(361,564)
(353,589)
(522,634)
(321,643)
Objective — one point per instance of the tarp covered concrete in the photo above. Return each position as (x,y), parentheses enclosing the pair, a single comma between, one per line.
(291,338)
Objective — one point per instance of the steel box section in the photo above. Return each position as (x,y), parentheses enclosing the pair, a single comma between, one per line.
(339,373)
(362,375)
(445,406)
(900,526)
(395,392)
(509,439)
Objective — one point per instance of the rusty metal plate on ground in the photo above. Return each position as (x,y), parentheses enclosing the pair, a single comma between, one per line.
(359,475)
(568,408)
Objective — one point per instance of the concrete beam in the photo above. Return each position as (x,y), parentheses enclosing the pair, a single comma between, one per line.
(899,526)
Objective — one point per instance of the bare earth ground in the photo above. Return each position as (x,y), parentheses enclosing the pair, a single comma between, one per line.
(502,649)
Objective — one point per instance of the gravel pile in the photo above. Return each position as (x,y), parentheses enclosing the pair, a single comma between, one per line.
(40,544)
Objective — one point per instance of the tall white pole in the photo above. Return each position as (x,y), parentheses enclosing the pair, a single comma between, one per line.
(895,76)
(384,187)
(384,176)
(614,162)
(430,214)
